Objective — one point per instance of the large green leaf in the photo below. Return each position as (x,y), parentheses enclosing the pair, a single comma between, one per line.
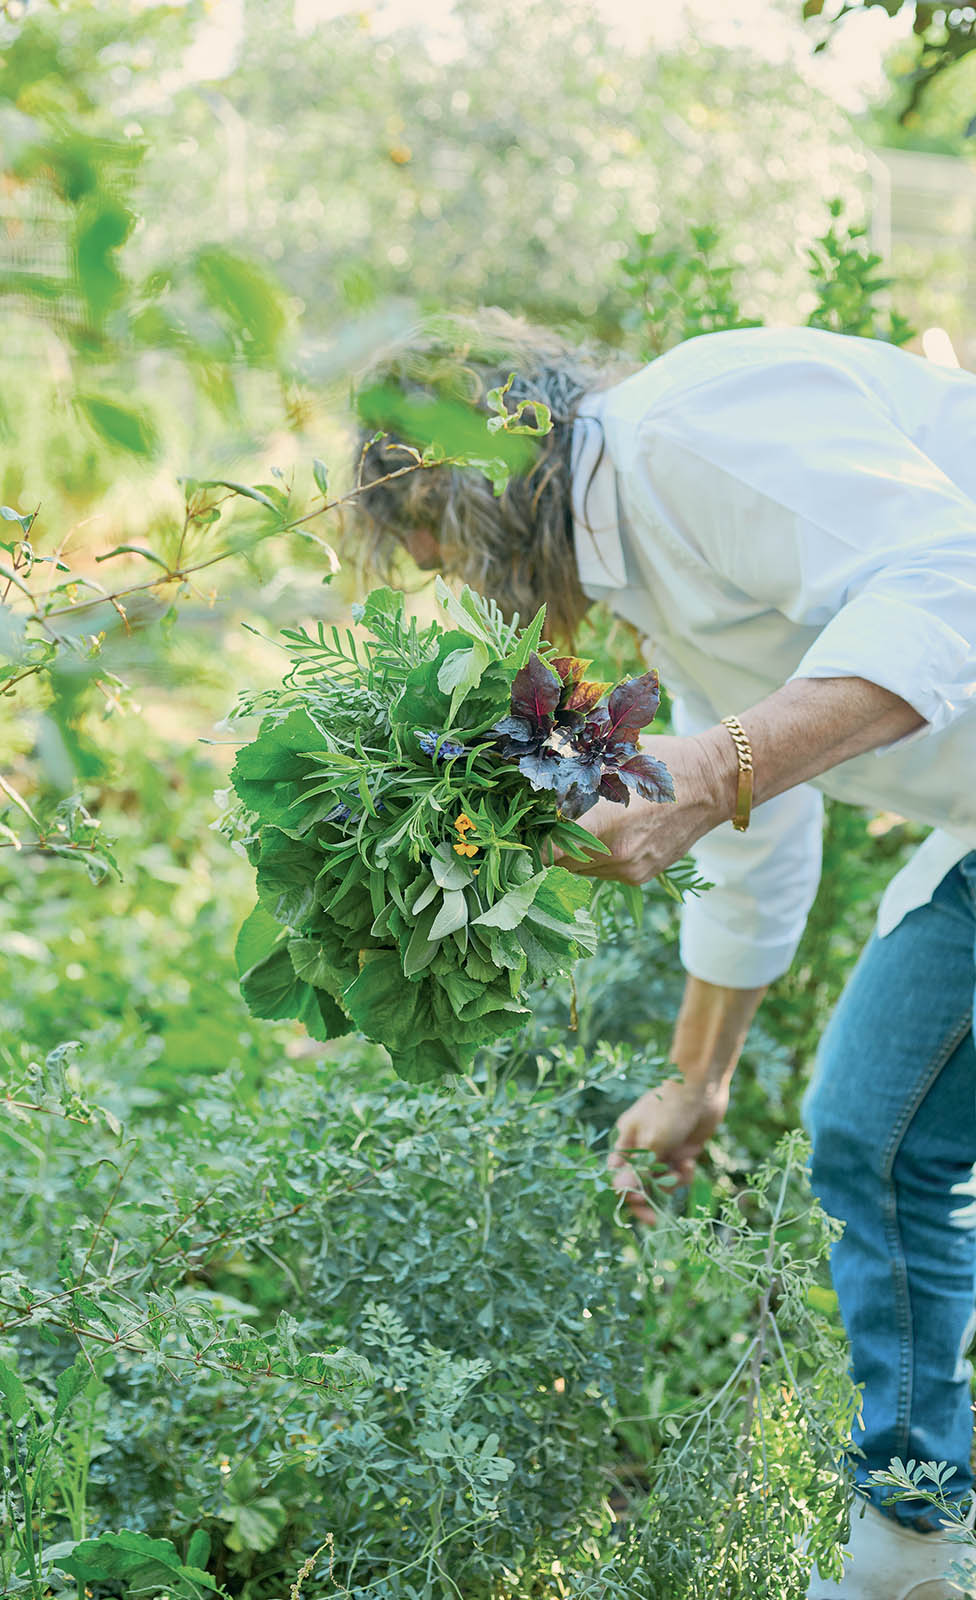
(272,988)
(381,606)
(423,705)
(381,1003)
(428,1059)
(452,915)
(421,949)
(470,998)
(271,774)
(139,1563)
(547,953)
(323,1018)
(460,672)
(582,933)
(561,894)
(491,1023)
(506,952)
(286,877)
(14,1394)
(257,938)
(450,871)
(312,963)
(511,909)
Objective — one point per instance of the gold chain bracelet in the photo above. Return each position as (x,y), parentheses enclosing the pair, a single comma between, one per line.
(743,749)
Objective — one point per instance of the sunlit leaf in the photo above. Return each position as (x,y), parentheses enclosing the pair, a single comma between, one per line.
(246,296)
(120,426)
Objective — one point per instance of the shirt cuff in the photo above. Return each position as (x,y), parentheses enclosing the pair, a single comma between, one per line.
(894,644)
(734,960)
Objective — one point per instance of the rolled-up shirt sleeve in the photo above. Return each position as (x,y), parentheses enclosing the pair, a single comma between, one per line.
(744,931)
(899,632)
(799,488)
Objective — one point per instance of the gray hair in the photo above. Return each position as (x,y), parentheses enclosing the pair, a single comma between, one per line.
(516,547)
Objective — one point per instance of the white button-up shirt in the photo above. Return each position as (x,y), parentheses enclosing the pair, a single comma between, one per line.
(768,504)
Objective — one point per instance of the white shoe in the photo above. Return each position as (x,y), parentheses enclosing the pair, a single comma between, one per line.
(890,1562)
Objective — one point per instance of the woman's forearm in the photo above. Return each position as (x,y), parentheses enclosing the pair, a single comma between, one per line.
(804,729)
(711,1029)
(676,1119)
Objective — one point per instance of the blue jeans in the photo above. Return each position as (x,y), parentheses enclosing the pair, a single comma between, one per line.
(892,1115)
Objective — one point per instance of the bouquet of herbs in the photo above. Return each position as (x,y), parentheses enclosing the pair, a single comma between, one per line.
(400,803)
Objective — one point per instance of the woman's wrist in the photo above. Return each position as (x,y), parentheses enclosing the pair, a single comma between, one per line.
(719,773)
(802,730)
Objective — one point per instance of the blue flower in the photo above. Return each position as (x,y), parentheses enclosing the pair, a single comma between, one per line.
(341,813)
(449,747)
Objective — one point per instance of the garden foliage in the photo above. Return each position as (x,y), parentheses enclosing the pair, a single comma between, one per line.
(320,1302)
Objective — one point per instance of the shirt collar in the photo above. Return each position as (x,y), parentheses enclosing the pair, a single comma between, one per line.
(596,530)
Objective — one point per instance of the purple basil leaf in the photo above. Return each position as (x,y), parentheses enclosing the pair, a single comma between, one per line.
(633,704)
(612,788)
(577,802)
(535,693)
(584,696)
(568,719)
(575,774)
(619,752)
(543,769)
(649,778)
(570,669)
(515,728)
(589,739)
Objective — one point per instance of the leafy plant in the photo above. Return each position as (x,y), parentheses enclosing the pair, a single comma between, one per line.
(379,775)
(931,1482)
(477,1213)
(845,275)
(681,291)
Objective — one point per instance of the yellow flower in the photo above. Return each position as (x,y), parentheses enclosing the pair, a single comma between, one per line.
(466,849)
(463,823)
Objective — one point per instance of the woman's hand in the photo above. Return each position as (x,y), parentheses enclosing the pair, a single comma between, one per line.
(675,1121)
(646,837)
